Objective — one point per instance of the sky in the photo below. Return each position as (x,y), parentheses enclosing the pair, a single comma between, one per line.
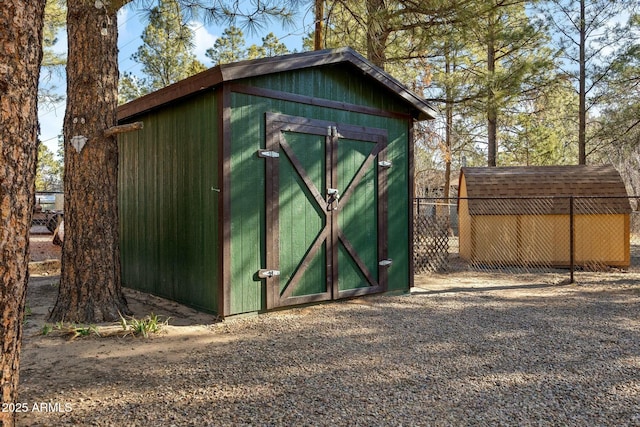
(131,23)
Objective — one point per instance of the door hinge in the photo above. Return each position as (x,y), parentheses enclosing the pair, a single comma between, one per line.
(266,273)
(385,262)
(385,164)
(268,154)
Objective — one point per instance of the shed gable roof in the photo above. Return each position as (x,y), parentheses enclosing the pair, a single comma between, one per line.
(545,190)
(245,69)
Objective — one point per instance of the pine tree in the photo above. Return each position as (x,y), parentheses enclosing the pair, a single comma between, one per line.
(90,287)
(513,50)
(254,52)
(588,36)
(166,55)
(228,48)
(272,46)
(131,87)
(54,20)
(21,25)
(49,170)
(616,133)
(388,33)
(539,130)
(52,62)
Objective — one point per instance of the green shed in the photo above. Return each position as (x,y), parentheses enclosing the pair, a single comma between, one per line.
(268,183)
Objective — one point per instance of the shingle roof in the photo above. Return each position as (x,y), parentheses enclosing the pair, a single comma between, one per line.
(545,190)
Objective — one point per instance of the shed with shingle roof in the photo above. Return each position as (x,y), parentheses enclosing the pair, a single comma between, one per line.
(521,215)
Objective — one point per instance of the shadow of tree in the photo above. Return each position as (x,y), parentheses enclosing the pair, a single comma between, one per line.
(463,358)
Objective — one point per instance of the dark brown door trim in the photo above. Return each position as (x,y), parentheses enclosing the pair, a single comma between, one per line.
(276,125)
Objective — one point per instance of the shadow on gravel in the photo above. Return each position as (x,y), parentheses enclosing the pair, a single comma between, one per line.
(422,291)
(523,355)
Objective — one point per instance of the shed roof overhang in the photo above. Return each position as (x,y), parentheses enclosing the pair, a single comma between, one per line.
(542,190)
(246,69)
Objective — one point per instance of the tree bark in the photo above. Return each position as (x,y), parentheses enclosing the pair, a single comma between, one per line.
(377,33)
(582,109)
(318,38)
(449,123)
(492,109)
(20,55)
(90,284)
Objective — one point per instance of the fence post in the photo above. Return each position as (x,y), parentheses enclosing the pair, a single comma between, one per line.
(571,240)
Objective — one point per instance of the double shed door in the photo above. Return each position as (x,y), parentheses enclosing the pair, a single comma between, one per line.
(326,210)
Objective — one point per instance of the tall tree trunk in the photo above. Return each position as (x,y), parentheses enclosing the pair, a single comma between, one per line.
(90,285)
(582,109)
(377,33)
(492,109)
(20,55)
(318,40)
(449,124)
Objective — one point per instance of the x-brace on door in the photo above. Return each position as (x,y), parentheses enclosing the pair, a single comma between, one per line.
(325,210)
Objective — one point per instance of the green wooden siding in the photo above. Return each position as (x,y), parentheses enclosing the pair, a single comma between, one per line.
(334,82)
(358,218)
(170,194)
(168,203)
(399,203)
(300,218)
(248,171)
(247,209)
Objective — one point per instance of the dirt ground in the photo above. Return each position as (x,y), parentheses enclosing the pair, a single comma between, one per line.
(98,357)
(45,275)
(42,247)
(44,353)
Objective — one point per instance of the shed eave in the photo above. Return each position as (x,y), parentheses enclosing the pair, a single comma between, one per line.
(516,186)
(263,66)
(200,82)
(246,69)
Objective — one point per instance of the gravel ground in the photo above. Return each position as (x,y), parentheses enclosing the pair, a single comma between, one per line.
(541,355)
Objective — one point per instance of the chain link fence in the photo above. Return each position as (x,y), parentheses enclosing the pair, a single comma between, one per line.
(527,234)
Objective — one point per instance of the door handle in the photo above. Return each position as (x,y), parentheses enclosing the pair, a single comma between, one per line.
(333,197)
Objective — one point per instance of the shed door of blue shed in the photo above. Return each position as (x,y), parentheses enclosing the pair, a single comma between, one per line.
(326,210)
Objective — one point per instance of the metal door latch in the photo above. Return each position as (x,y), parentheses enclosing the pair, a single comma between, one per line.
(266,274)
(385,263)
(333,197)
